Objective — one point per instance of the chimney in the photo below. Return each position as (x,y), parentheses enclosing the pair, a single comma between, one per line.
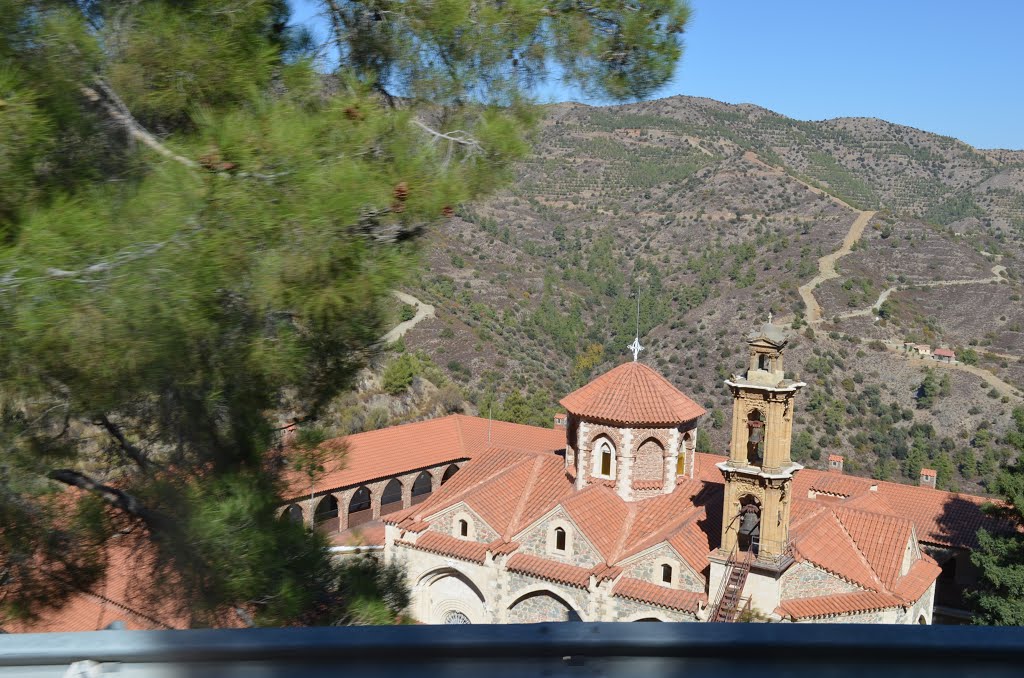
(927,477)
(835,463)
(561,421)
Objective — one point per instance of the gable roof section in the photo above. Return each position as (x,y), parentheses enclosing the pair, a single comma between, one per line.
(369,456)
(632,394)
(600,515)
(821,539)
(560,573)
(830,606)
(881,538)
(662,596)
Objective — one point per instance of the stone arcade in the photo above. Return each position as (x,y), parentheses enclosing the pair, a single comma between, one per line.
(629,523)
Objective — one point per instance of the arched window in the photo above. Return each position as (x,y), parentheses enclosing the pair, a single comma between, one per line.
(463,528)
(292,514)
(684,449)
(359,508)
(666,573)
(456,617)
(391,498)
(604,458)
(448,473)
(421,488)
(559,539)
(763,363)
(749,534)
(325,517)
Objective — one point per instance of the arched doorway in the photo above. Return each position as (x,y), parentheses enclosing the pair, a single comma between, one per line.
(748,534)
(325,517)
(541,606)
(359,508)
(447,596)
(292,514)
(391,498)
(448,473)
(422,488)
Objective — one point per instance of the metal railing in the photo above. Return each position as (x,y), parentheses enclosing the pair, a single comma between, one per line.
(615,650)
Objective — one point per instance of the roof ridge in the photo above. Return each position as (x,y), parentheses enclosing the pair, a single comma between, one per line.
(461,496)
(627,526)
(856,547)
(664,533)
(531,481)
(458,431)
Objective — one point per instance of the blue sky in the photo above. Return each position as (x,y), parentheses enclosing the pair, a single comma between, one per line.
(949,67)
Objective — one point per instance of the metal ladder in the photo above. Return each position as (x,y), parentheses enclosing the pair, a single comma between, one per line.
(728,607)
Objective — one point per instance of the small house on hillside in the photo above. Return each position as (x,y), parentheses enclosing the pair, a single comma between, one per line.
(946,355)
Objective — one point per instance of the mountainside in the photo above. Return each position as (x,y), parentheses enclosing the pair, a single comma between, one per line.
(720,214)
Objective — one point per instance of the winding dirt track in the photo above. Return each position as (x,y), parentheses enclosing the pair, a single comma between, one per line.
(423,311)
(827,265)
(827,271)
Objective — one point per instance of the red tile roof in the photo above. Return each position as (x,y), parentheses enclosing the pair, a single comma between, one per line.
(445,545)
(662,596)
(632,394)
(369,456)
(944,353)
(835,457)
(842,603)
(928,472)
(560,573)
(367,534)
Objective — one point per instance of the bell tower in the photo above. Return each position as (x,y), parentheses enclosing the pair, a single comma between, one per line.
(759,472)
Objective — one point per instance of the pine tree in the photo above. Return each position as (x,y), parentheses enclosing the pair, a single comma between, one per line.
(999,557)
(199,228)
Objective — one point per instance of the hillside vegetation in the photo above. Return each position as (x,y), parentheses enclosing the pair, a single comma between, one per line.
(718,213)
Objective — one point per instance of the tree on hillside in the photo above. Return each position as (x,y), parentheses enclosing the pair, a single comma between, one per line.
(999,599)
(198,229)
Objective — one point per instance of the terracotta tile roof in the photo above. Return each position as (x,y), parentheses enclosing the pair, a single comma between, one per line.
(488,469)
(601,515)
(882,539)
(944,353)
(364,457)
(445,545)
(922,574)
(500,547)
(835,457)
(632,393)
(930,472)
(842,603)
(940,517)
(367,534)
(606,572)
(821,539)
(560,573)
(662,596)
(121,596)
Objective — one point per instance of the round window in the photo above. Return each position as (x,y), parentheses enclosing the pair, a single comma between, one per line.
(455,617)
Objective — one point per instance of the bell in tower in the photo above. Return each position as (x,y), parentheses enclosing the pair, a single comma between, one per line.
(759,472)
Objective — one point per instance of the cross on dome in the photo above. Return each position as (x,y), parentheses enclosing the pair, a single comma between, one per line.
(635,347)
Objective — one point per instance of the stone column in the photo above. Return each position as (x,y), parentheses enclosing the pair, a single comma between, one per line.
(624,466)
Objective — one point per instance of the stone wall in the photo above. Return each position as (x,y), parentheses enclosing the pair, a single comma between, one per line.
(634,610)
(648,568)
(445,523)
(535,542)
(803,580)
(649,462)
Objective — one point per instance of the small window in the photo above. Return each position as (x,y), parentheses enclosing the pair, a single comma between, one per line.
(559,539)
(762,362)
(464,528)
(666,574)
(606,461)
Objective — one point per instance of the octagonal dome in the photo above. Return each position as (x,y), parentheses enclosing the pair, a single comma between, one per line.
(632,394)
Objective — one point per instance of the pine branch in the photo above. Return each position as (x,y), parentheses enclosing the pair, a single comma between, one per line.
(119,499)
(116,109)
(134,453)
